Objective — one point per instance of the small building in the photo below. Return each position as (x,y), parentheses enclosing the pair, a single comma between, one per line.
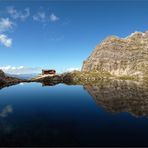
(46,72)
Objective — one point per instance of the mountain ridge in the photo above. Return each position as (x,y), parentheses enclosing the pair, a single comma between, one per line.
(6,80)
(120,56)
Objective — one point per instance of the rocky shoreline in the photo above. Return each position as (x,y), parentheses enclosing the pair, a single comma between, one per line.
(114,58)
(114,95)
(6,81)
(70,78)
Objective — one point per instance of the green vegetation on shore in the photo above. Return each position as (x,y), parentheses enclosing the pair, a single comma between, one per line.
(78,77)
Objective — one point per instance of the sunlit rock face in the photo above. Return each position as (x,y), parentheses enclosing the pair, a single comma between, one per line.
(120,56)
(121,96)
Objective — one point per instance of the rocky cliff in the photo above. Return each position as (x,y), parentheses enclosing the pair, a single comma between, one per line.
(7,80)
(2,74)
(120,56)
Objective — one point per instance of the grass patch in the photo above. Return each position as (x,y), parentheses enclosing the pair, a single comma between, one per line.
(128,78)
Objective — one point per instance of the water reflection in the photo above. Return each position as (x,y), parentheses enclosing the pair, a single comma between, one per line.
(120,96)
(65,115)
(48,83)
(6,111)
(5,126)
(113,95)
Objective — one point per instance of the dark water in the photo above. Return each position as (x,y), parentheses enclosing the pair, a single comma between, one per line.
(113,114)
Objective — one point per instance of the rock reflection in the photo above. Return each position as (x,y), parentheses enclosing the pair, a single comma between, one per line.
(121,96)
(48,83)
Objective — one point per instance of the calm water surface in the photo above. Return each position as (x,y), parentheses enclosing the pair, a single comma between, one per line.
(62,115)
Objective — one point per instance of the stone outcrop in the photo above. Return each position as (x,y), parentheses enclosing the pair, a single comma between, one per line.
(7,80)
(120,56)
(2,74)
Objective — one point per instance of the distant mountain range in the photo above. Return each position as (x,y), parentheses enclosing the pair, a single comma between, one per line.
(23,76)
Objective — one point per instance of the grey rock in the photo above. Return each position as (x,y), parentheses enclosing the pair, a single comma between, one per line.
(120,56)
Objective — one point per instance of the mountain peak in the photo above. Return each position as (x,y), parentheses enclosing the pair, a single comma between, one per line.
(120,56)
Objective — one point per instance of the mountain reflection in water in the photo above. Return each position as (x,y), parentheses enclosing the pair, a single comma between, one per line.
(120,96)
(115,95)
(47,114)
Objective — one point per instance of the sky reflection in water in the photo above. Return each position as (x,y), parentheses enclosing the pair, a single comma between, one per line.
(113,114)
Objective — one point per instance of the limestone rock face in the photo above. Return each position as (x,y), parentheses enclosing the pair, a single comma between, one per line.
(120,56)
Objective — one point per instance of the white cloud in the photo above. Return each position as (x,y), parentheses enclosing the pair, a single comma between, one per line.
(20,69)
(69,69)
(72,69)
(40,16)
(15,14)
(5,24)
(53,17)
(5,40)
(43,17)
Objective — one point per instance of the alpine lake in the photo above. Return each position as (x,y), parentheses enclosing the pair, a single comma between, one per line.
(106,113)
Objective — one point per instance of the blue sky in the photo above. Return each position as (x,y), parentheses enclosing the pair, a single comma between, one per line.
(62,34)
